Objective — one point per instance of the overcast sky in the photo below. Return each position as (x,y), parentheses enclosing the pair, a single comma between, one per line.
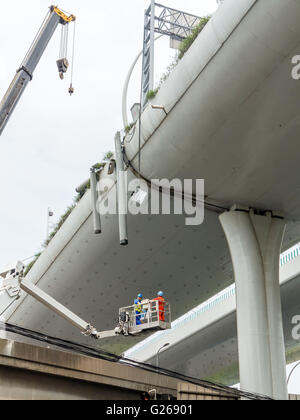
(52,139)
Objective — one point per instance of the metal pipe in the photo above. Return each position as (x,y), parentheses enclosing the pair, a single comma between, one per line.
(126,85)
(94,201)
(122,191)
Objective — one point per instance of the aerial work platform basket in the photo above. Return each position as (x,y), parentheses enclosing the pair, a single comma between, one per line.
(155,315)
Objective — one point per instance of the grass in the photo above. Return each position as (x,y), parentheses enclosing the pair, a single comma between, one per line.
(183,49)
(151,94)
(129,127)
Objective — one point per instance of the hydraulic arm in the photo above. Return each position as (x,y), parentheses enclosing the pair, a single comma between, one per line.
(12,282)
(10,290)
(25,72)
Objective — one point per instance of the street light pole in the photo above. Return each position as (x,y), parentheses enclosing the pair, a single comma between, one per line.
(158,351)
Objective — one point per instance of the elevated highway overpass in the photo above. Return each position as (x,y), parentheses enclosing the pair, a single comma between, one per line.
(93,276)
(229,115)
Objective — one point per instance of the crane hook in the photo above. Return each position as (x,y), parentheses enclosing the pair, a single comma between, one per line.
(71,90)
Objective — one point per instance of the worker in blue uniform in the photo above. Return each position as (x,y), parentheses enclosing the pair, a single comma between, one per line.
(138,308)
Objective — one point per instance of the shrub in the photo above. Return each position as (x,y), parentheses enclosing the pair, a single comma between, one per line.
(129,127)
(186,43)
(151,94)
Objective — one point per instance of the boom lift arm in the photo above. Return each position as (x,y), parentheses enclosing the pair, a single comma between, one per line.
(10,291)
(25,72)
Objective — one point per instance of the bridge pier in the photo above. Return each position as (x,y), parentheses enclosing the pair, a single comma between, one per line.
(255,244)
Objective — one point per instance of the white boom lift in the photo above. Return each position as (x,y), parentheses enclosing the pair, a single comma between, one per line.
(25,72)
(153,318)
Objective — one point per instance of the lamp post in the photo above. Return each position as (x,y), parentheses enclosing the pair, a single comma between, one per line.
(293,370)
(158,351)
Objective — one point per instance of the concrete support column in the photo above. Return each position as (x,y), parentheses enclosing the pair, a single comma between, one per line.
(255,244)
(271,259)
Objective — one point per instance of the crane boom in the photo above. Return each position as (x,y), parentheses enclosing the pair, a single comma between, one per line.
(25,72)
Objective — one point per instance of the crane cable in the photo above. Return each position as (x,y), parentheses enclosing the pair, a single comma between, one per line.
(71,89)
(63,53)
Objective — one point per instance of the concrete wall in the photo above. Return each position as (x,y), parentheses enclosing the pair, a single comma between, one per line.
(30,372)
(21,384)
(189,392)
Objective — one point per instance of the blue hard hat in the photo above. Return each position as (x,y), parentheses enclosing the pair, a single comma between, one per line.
(160,293)
(139,295)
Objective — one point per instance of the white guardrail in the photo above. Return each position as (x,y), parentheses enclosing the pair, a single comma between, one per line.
(227,293)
